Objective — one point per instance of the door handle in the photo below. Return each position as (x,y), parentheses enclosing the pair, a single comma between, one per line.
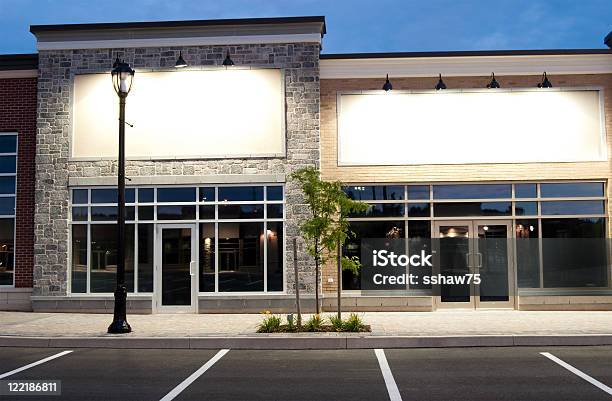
(479,259)
(192,268)
(467,260)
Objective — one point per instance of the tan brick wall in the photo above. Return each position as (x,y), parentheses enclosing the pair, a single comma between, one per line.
(455,172)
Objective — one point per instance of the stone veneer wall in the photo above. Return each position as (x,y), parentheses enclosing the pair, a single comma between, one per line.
(53,168)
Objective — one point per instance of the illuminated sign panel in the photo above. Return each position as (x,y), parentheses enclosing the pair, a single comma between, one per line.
(186,114)
(458,127)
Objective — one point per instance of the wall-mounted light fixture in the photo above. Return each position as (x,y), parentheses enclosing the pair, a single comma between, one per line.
(440,84)
(180,61)
(387,86)
(228,62)
(493,84)
(545,82)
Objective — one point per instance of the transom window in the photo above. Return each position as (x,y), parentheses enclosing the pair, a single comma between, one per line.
(240,236)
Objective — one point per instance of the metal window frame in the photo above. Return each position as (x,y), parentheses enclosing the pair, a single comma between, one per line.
(13,195)
(197,221)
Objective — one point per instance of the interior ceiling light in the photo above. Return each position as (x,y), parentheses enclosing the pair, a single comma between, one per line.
(493,84)
(545,82)
(440,84)
(387,86)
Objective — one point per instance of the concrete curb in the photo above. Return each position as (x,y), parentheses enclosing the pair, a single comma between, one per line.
(306,342)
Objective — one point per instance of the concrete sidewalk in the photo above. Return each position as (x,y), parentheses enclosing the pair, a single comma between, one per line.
(389,329)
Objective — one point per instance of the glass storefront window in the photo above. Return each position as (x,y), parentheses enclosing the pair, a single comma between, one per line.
(94,213)
(573,207)
(274,193)
(247,193)
(7,251)
(274,235)
(207,257)
(527,253)
(526,208)
(207,194)
(241,211)
(456,209)
(241,257)
(78,278)
(375,192)
(574,252)
(472,191)
(176,194)
(381,210)
(366,229)
(418,192)
(525,191)
(418,210)
(572,189)
(145,257)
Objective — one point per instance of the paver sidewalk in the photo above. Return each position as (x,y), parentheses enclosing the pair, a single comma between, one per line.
(413,324)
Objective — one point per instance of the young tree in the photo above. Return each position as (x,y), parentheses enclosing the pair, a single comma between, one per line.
(327,229)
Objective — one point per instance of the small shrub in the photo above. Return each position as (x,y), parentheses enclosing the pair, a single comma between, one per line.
(353,323)
(290,322)
(336,323)
(314,323)
(270,324)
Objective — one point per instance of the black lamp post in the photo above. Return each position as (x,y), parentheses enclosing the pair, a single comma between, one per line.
(122,75)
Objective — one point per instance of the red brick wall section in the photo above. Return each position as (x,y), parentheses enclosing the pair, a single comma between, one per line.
(18,114)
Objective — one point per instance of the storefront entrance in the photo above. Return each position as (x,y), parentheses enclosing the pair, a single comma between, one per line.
(475,247)
(176,268)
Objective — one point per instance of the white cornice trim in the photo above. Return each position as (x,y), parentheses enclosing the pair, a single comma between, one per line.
(191,41)
(18,74)
(466,66)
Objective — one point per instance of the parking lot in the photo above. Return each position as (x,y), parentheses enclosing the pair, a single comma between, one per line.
(525,373)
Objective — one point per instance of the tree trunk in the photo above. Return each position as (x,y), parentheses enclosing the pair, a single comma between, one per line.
(339,282)
(317,309)
(297,285)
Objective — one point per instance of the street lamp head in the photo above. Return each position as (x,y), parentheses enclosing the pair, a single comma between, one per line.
(122,76)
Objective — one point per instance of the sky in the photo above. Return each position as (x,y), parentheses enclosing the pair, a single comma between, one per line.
(352,26)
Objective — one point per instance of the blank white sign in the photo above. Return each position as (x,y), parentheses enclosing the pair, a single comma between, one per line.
(493,126)
(182,114)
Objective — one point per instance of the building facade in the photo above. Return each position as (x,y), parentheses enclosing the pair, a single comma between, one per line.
(211,212)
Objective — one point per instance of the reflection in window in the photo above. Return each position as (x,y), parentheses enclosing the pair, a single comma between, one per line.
(274,193)
(362,230)
(104,257)
(574,252)
(176,212)
(573,207)
(7,251)
(241,211)
(418,192)
(525,191)
(79,196)
(527,253)
(418,210)
(382,210)
(526,208)
(274,235)
(247,193)
(473,209)
(472,191)
(207,257)
(241,257)
(207,194)
(176,194)
(378,192)
(570,190)
(145,257)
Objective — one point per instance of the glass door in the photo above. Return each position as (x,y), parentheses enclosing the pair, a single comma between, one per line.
(477,255)
(176,268)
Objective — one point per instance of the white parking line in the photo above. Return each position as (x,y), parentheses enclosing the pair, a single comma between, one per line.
(578,373)
(392,389)
(31,365)
(185,383)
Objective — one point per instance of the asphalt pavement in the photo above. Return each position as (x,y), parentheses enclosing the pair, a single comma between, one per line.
(445,374)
